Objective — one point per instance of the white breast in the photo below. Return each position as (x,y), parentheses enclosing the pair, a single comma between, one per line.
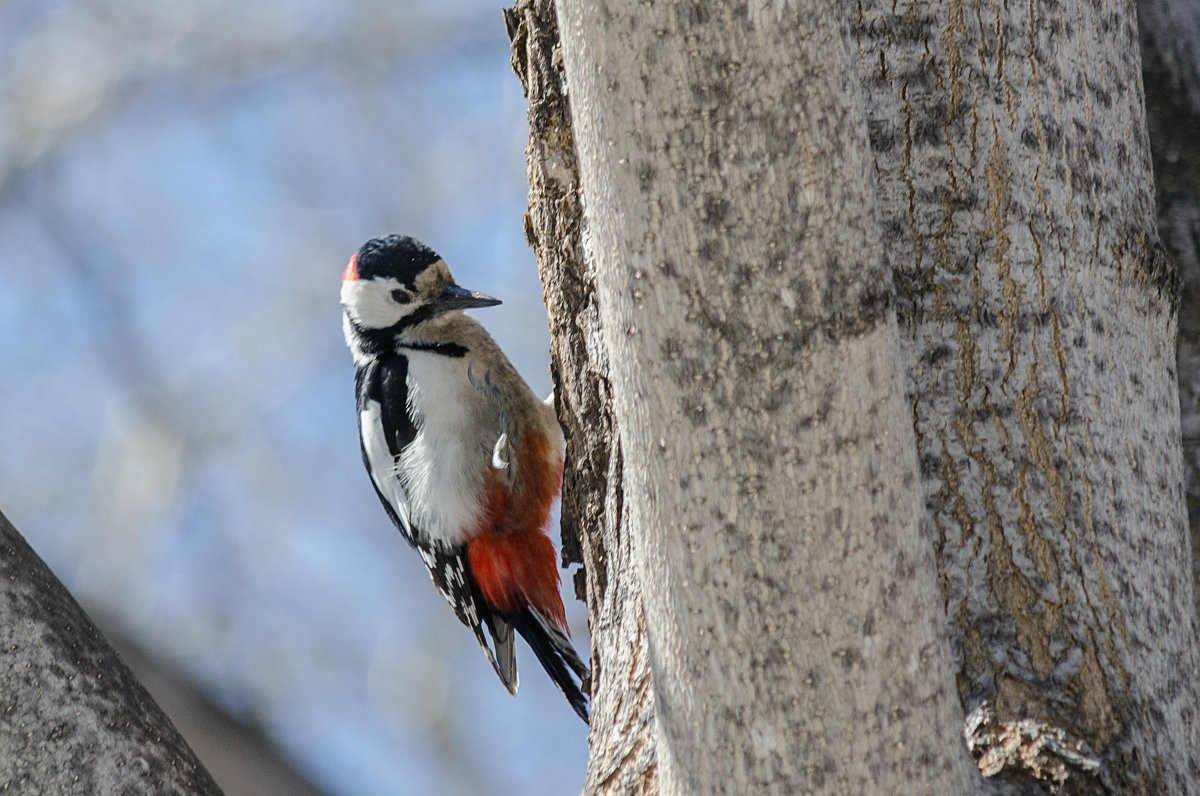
(442,470)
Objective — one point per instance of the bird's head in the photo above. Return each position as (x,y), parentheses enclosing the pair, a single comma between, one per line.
(396,282)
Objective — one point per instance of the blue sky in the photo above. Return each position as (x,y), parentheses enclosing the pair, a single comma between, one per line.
(180,187)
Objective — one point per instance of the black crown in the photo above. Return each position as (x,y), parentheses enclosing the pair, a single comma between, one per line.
(397,256)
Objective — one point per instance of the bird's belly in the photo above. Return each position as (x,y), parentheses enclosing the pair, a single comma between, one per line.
(458,427)
(445,507)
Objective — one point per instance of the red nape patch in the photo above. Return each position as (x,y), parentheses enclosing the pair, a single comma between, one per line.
(517,569)
(351,272)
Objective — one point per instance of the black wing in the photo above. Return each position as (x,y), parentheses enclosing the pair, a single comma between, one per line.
(557,656)
(385,429)
(451,573)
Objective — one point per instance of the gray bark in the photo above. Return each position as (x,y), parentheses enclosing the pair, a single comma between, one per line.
(1036,307)
(1171,69)
(73,719)
(594,520)
(1038,317)
(795,635)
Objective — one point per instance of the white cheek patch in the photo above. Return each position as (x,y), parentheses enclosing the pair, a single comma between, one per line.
(369,302)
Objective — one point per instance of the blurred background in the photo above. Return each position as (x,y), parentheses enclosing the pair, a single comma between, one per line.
(181,185)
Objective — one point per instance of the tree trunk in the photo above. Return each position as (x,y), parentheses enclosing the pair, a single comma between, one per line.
(74,719)
(1038,311)
(733,279)
(594,520)
(769,455)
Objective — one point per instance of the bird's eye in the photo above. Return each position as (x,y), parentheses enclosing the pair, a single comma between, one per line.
(401,296)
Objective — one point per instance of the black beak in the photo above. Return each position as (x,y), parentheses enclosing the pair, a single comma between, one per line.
(456,298)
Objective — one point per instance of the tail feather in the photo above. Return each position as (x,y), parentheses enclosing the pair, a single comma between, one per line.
(451,574)
(554,651)
(505,662)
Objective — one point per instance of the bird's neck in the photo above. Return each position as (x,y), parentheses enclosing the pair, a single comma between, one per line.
(450,335)
(446,349)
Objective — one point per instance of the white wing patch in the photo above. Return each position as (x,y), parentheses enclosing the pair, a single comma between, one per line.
(382,465)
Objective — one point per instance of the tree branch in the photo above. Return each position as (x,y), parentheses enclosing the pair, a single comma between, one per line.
(73,718)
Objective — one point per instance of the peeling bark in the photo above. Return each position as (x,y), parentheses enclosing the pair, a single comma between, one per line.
(73,719)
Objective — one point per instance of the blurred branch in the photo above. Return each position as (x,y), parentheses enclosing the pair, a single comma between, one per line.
(74,718)
(87,62)
(238,754)
(125,355)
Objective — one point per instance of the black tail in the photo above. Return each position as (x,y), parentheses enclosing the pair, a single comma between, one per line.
(557,656)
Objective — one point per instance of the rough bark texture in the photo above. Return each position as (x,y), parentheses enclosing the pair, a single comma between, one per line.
(1038,313)
(1171,70)
(73,719)
(1037,328)
(594,523)
(796,636)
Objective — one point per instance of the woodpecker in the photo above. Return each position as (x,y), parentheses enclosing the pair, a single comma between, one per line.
(466,460)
